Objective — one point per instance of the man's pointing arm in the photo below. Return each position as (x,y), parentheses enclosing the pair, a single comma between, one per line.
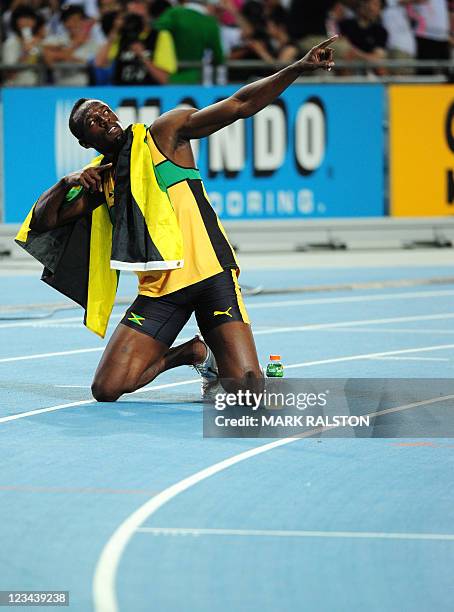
(248,100)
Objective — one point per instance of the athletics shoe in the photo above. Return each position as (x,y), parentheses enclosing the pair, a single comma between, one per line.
(208,371)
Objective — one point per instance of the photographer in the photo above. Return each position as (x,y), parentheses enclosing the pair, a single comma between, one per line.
(140,54)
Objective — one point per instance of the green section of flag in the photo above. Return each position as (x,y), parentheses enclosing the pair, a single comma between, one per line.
(136,318)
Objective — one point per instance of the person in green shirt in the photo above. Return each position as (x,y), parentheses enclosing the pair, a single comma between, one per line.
(194,32)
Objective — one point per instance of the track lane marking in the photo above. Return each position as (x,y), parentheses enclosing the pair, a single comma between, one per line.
(422,349)
(305,364)
(259,332)
(281,533)
(373,297)
(23,415)
(390,358)
(104,591)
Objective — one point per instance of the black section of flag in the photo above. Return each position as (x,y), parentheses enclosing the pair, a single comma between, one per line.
(131,240)
(71,275)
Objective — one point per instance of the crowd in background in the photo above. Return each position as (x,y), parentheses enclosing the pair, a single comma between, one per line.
(139,42)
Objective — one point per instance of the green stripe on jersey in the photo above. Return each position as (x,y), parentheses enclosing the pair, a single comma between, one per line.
(169,173)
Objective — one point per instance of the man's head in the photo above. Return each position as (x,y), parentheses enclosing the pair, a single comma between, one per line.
(73,18)
(96,126)
(277,23)
(23,18)
(370,10)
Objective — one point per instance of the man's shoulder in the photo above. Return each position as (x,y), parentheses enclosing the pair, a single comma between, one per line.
(171,119)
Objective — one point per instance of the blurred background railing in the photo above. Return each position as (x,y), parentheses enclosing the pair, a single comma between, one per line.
(240,71)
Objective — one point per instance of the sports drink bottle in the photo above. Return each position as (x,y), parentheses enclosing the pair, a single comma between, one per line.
(275,369)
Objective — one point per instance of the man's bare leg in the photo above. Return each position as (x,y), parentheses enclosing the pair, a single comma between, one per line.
(132,360)
(234,349)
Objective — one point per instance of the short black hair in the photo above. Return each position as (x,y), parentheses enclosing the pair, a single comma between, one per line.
(76,119)
(158,7)
(69,10)
(18,13)
(107,21)
(279,16)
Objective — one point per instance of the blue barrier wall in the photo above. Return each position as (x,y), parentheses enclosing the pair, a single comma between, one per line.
(316,152)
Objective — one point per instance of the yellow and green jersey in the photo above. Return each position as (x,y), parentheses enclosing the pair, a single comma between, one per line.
(206,248)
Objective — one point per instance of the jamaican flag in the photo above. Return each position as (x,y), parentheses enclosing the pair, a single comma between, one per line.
(139,232)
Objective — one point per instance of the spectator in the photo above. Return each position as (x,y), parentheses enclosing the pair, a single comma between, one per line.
(41,7)
(194,32)
(432,28)
(254,42)
(76,45)
(401,39)
(103,65)
(286,49)
(23,45)
(308,21)
(158,7)
(89,7)
(365,32)
(227,12)
(145,56)
(268,40)
(108,6)
(339,12)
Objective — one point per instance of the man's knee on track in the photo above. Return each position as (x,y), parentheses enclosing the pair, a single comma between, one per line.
(249,379)
(105,392)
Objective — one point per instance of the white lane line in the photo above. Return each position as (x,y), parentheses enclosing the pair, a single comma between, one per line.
(305,364)
(66,322)
(63,353)
(371,297)
(23,415)
(355,323)
(41,323)
(422,349)
(56,354)
(104,591)
(262,332)
(410,359)
(71,386)
(281,533)
(392,330)
(272,304)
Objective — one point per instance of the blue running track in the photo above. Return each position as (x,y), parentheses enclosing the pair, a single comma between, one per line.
(127,507)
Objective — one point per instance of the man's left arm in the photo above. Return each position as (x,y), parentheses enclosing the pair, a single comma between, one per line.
(252,98)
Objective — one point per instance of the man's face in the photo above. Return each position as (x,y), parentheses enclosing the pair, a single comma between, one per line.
(74,24)
(102,129)
(370,9)
(374,9)
(26,22)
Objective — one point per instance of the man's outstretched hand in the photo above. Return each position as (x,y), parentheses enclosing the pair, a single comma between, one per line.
(320,56)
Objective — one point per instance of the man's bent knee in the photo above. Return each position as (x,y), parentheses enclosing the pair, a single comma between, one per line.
(103,392)
(249,380)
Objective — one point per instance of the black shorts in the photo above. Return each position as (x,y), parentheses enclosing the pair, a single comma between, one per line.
(215,300)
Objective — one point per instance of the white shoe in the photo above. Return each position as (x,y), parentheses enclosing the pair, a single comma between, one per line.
(209,374)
